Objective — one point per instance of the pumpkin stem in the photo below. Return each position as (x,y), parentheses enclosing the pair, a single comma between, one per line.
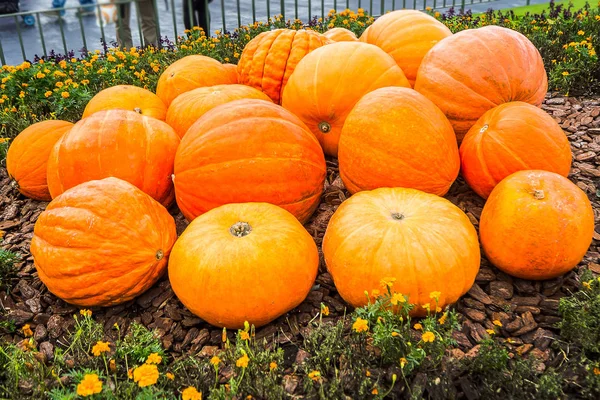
(137,110)
(484,128)
(398,216)
(159,255)
(538,194)
(240,229)
(324,127)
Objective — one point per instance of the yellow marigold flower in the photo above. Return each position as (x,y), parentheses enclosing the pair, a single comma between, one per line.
(360,325)
(553,61)
(112,365)
(170,376)
(215,360)
(374,391)
(436,15)
(428,8)
(443,318)
(324,310)
(490,331)
(100,347)
(315,375)
(435,296)
(22,94)
(65,95)
(89,385)
(565,73)
(154,358)
(145,375)
(497,322)
(586,285)
(27,330)
(345,22)
(75,85)
(426,306)
(59,84)
(394,334)
(397,298)
(387,282)
(85,312)
(272,366)
(428,337)
(375,293)
(403,362)
(368,373)
(130,373)
(242,362)
(597,17)
(40,75)
(244,335)
(191,393)
(596,369)
(63,64)
(580,33)
(418,326)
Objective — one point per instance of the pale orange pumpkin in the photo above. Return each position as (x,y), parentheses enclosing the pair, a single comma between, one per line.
(340,35)
(232,70)
(256,256)
(421,240)
(536,225)
(127,97)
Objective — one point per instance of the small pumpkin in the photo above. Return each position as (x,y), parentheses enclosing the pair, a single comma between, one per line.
(249,151)
(329,81)
(396,137)
(127,97)
(118,143)
(27,157)
(189,106)
(269,59)
(406,35)
(232,71)
(496,65)
(340,35)
(191,72)
(102,243)
(243,262)
(536,225)
(421,240)
(512,137)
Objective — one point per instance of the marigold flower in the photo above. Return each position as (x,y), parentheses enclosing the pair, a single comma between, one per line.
(272,366)
(442,319)
(215,361)
(130,373)
(65,95)
(191,393)
(418,326)
(85,312)
(324,310)
(112,365)
(244,335)
(490,331)
(403,362)
(27,330)
(242,362)
(586,285)
(596,369)
(397,298)
(497,322)
(145,375)
(565,73)
(315,375)
(394,334)
(170,376)
(100,347)
(89,385)
(580,33)
(374,391)
(428,337)
(368,373)
(426,306)
(360,325)
(154,358)
(387,282)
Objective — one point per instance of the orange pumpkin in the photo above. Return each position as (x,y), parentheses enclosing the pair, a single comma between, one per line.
(127,97)
(406,35)
(102,243)
(257,256)
(340,35)
(188,107)
(328,82)
(232,71)
(189,73)
(119,143)
(27,157)
(536,225)
(269,59)
(395,137)
(512,137)
(249,151)
(475,70)
(421,240)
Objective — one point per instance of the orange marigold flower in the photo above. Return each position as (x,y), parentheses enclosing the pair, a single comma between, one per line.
(272,366)
(89,385)
(145,375)
(27,330)
(154,358)
(315,375)
(428,337)
(191,393)
(360,325)
(215,360)
(244,335)
(170,376)
(242,362)
(100,347)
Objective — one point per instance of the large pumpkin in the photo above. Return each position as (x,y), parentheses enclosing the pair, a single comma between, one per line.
(102,243)
(475,70)
(328,82)
(249,151)
(189,106)
(118,143)
(340,35)
(512,137)
(27,157)
(536,225)
(422,240)
(396,137)
(189,73)
(127,97)
(243,262)
(269,59)
(406,35)
(232,71)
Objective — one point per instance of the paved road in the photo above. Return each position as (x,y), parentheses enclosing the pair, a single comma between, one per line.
(51,24)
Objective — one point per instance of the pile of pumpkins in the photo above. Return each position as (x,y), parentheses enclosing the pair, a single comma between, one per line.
(242,153)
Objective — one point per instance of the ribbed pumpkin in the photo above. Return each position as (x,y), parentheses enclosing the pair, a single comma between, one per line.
(27,157)
(102,243)
(328,82)
(127,97)
(422,240)
(189,106)
(475,70)
(118,143)
(243,262)
(249,151)
(340,35)
(189,73)
(396,137)
(512,137)
(406,35)
(269,59)
(536,225)
(232,71)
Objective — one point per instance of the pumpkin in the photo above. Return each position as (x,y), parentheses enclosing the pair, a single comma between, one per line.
(232,71)
(27,157)
(190,106)
(421,240)
(118,143)
(536,225)
(512,137)
(189,73)
(102,243)
(249,151)
(475,70)
(395,137)
(269,59)
(340,35)
(127,97)
(328,82)
(243,262)
(406,35)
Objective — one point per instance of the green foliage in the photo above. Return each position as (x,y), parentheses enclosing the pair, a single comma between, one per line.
(7,266)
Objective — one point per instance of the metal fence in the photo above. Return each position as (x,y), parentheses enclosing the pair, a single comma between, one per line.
(38,32)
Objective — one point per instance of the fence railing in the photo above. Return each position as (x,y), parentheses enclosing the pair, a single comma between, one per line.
(28,33)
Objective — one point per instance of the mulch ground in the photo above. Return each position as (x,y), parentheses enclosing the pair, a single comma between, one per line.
(528,310)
